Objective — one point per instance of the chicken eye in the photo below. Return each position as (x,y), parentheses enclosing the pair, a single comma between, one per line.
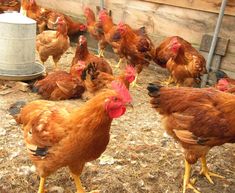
(115,99)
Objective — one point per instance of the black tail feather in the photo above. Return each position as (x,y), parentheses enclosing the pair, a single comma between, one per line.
(16,107)
(153,88)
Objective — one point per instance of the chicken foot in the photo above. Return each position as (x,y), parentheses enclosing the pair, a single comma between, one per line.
(168,81)
(78,183)
(188,184)
(41,185)
(205,171)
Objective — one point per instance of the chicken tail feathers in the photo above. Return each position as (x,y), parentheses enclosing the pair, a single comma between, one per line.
(15,109)
(153,88)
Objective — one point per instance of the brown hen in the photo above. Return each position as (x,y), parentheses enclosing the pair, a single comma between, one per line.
(60,136)
(198,119)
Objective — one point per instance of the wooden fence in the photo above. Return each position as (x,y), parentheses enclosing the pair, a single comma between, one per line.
(190,19)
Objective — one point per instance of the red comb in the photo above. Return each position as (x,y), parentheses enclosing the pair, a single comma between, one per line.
(122,91)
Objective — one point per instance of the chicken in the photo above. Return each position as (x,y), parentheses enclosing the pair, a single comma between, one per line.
(136,47)
(109,29)
(95,81)
(181,59)
(60,85)
(95,30)
(198,119)
(224,83)
(82,54)
(53,43)
(30,9)
(60,136)
(9,5)
(73,27)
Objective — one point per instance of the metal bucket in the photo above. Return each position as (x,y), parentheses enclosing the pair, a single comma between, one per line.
(17,45)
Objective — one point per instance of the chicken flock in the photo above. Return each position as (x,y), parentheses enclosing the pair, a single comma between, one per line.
(198,118)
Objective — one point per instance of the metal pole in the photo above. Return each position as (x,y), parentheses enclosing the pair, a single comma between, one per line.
(214,41)
(102,4)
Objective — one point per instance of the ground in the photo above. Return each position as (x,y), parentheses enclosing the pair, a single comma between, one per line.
(140,157)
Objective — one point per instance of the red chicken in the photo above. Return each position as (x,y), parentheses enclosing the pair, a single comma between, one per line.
(110,35)
(60,85)
(181,59)
(198,119)
(9,5)
(73,27)
(53,43)
(82,54)
(95,30)
(95,81)
(136,46)
(59,136)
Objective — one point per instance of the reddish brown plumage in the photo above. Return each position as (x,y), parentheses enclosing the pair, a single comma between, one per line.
(60,85)
(95,81)
(94,28)
(9,5)
(197,118)
(73,27)
(53,43)
(136,46)
(82,54)
(68,135)
(181,59)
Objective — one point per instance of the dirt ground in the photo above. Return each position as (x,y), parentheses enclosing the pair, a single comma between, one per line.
(140,158)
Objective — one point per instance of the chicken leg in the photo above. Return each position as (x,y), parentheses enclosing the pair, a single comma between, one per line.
(168,81)
(119,62)
(101,53)
(78,183)
(205,171)
(187,184)
(41,185)
(134,83)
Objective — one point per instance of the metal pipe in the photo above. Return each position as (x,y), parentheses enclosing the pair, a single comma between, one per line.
(214,41)
(102,4)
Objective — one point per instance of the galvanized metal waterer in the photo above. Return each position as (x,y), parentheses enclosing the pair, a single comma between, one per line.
(17,48)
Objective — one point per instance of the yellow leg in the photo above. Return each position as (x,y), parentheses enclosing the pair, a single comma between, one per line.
(78,183)
(168,81)
(119,62)
(56,65)
(134,83)
(205,171)
(187,184)
(41,185)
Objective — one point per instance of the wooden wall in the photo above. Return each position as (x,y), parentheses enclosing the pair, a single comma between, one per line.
(190,19)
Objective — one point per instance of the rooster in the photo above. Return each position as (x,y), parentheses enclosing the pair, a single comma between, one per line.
(181,59)
(82,54)
(198,119)
(53,43)
(95,30)
(60,136)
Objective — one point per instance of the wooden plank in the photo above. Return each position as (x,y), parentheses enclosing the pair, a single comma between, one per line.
(221,46)
(203,5)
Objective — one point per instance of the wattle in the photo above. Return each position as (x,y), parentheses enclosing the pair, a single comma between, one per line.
(115,113)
